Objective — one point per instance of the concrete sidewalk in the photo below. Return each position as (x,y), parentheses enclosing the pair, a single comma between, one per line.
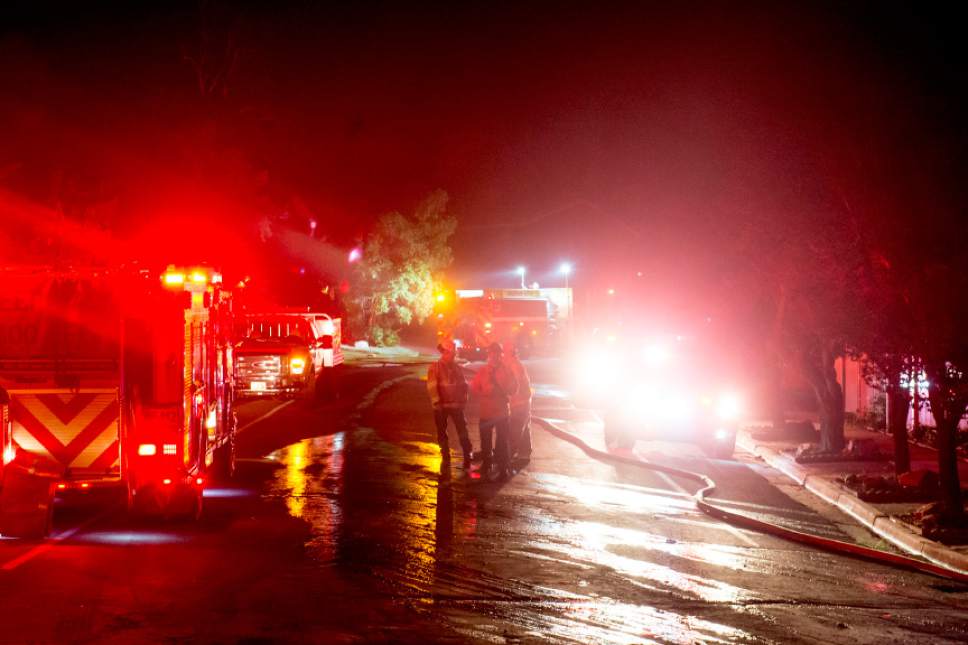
(883,519)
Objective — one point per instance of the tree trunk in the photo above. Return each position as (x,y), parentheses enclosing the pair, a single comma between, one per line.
(818,368)
(947,414)
(774,394)
(774,366)
(897,409)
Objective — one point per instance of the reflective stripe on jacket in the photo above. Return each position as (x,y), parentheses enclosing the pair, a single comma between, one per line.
(446,385)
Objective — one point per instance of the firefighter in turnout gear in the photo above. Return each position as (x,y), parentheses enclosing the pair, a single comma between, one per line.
(495,384)
(520,436)
(448,395)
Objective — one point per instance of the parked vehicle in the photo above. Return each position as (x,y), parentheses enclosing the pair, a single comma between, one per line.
(283,354)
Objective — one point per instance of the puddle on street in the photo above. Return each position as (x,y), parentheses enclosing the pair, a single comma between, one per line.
(381,510)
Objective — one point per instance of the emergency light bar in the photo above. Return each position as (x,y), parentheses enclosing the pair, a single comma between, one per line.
(197,277)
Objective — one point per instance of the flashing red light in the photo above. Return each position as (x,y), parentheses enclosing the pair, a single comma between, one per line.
(61,486)
(199,481)
(85,485)
(166,481)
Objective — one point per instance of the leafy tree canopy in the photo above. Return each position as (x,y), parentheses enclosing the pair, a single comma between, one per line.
(393,284)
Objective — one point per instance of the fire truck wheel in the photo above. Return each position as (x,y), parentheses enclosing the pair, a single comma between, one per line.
(223,461)
(187,507)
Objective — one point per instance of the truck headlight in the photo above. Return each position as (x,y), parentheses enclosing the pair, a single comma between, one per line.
(729,407)
(297,366)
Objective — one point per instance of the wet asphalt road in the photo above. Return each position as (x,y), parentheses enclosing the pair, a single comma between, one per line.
(340,527)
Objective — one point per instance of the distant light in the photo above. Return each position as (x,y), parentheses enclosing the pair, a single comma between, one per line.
(355,255)
(166,481)
(470,293)
(174,278)
(147,449)
(302,270)
(198,277)
(441,297)
(521,271)
(565,268)
(312,225)
(535,285)
(611,292)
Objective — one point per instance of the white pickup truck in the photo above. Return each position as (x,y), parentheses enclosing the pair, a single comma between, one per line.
(285,354)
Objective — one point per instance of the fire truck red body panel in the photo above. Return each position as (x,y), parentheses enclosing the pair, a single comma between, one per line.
(118,377)
(80,430)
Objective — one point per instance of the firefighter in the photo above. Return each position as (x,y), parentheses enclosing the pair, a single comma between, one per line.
(448,395)
(520,420)
(495,385)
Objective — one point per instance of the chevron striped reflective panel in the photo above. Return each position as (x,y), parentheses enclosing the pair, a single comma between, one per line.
(79,429)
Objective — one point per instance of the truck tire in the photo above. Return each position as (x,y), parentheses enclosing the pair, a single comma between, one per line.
(722,449)
(186,507)
(223,461)
(309,391)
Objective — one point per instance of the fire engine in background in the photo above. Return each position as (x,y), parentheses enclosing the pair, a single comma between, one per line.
(530,318)
(285,353)
(118,377)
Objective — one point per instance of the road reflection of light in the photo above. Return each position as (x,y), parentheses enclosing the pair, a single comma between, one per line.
(419,508)
(129,538)
(597,494)
(295,458)
(615,622)
(226,493)
(602,620)
(599,544)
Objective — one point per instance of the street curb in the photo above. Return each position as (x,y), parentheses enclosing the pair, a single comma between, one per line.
(867,515)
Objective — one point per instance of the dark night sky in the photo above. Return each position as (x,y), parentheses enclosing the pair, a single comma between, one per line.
(595,131)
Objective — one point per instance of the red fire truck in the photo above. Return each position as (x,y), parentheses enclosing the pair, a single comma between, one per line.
(118,377)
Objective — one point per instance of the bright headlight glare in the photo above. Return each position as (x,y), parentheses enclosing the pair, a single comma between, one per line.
(729,406)
(297,365)
(598,372)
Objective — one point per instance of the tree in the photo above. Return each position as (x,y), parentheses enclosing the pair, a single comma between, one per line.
(393,283)
(885,344)
(943,347)
(804,269)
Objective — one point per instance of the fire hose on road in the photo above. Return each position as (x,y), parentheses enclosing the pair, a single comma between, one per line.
(708,486)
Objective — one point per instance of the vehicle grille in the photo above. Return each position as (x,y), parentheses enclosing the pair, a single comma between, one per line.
(259,368)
